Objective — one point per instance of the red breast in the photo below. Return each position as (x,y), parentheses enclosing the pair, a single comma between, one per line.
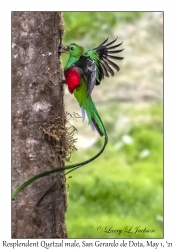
(72,79)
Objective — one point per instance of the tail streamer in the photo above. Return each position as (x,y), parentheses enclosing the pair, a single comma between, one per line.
(55,170)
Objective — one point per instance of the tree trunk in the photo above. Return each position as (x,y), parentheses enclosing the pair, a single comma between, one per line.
(38,118)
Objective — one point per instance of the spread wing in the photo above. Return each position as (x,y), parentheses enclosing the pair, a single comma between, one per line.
(95,64)
(102,56)
(87,67)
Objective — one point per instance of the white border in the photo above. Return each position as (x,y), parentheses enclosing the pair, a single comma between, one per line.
(5,98)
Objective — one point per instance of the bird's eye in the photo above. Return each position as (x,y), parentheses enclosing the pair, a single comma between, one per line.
(72,48)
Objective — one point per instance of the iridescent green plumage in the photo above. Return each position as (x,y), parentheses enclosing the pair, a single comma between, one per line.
(87,104)
(76,52)
(90,69)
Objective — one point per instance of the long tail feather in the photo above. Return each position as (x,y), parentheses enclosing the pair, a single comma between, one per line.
(97,155)
(97,127)
(56,170)
(73,167)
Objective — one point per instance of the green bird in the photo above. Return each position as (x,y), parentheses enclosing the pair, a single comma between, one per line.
(82,72)
(85,70)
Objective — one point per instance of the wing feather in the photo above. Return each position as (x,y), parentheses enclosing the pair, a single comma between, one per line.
(115,66)
(112,42)
(116,57)
(104,42)
(108,68)
(104,70)
(115,46)
(95,64)
(102,55)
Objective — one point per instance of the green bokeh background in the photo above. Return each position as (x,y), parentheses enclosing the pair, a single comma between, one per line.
(124,186)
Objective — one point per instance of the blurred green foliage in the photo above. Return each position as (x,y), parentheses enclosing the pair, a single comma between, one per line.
(123,187)
(97,26)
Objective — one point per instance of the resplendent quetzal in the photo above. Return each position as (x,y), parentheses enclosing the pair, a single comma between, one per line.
(82,72)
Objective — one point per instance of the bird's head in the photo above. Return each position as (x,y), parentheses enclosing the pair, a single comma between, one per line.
(73,49)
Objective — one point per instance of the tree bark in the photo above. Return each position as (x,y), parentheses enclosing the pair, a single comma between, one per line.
(38,118)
